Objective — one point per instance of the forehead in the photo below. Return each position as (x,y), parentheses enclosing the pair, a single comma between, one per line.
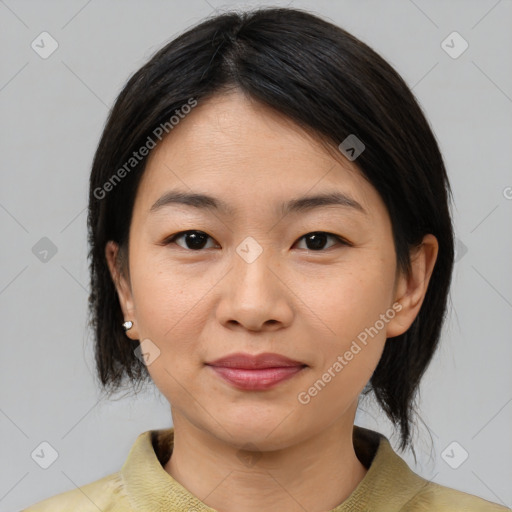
(239,149)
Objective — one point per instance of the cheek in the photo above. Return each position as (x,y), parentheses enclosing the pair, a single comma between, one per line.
(344,301)
(352,332)
(352,340)
(168,315)
(166,298)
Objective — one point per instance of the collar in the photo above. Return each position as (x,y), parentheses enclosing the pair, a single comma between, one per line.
(389,479)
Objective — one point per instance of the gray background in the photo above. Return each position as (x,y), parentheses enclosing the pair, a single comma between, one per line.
(53,111)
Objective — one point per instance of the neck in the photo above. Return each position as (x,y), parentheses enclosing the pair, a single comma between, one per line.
(314,474)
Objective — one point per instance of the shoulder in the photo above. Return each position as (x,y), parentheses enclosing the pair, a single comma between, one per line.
(106,494)
(437,497)
(392,486)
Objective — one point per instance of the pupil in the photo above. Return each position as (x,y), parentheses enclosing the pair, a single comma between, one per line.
(196,240)
(318,240)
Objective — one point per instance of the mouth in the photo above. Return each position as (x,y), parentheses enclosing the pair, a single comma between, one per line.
(256,373)
(256,380)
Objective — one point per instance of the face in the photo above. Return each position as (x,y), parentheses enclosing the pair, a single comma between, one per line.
(315,284)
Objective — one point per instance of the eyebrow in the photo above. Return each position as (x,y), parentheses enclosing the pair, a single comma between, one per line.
(302,204)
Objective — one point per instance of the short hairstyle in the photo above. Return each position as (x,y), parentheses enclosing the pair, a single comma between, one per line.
(332,85)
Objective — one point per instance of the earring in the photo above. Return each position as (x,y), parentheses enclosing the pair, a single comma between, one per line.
(128,325)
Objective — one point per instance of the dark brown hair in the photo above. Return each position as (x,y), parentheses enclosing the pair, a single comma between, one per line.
(328,82)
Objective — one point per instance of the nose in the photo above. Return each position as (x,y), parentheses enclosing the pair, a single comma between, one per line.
(255,295)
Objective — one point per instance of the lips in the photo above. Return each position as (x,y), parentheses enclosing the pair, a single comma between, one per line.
(255,362)
(256,373)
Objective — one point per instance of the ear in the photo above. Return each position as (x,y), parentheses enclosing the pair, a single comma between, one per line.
(123,287)
(411,289)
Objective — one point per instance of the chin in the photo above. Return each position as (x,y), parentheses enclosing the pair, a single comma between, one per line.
(267,432)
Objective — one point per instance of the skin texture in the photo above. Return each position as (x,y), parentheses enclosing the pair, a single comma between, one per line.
(310,305)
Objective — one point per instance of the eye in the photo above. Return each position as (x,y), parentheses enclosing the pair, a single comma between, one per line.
(315,241)
(193,239)
(196,240)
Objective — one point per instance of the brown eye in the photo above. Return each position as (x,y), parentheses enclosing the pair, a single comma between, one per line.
(316,240)
(193,239)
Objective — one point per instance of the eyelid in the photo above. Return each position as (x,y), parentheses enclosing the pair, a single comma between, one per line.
(171,239)
(341,240)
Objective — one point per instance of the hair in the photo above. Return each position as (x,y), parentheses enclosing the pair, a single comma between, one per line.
(332,85)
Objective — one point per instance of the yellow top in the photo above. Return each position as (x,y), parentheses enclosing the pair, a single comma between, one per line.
(143,485)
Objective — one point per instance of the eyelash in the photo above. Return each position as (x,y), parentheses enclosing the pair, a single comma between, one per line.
(170,240)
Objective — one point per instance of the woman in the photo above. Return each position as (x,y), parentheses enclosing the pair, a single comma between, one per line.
(270,240)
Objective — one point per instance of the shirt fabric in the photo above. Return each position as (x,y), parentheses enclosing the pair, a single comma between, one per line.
(143,485)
